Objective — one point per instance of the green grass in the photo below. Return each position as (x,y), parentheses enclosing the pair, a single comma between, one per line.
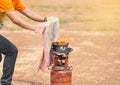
(64,21)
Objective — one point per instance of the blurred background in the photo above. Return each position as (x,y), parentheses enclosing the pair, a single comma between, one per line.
(88,15)
(93,30)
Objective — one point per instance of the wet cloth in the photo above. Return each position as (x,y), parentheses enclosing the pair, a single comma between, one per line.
(50,34)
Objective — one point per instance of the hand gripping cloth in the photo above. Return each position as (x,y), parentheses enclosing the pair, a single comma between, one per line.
(50,34)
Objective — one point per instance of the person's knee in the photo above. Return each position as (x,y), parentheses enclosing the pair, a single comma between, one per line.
(14,53)
(15,50)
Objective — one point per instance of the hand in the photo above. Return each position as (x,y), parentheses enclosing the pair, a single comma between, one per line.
(45,19)
(40,28)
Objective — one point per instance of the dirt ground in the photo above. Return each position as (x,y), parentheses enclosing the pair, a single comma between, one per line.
(95,58)
(93,30)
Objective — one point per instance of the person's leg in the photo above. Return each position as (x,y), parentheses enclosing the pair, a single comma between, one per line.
(10,52)
(0,57)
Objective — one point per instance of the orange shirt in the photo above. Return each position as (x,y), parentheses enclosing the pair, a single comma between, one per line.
(10,5)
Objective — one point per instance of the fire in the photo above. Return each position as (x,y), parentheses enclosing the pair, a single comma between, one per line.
(63,41)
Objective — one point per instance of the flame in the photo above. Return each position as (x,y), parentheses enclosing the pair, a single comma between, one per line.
(63,41)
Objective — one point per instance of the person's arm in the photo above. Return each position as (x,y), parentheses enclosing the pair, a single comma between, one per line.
(32,15)
(18,21)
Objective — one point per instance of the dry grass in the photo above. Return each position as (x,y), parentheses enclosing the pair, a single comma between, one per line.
(88,15)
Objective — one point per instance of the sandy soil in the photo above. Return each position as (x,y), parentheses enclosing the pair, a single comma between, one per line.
(95,58)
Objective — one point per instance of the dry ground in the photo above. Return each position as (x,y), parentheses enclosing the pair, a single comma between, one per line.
(93,29)
(96,58)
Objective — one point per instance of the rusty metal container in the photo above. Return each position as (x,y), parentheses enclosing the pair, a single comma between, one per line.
(62,77)
(61,73)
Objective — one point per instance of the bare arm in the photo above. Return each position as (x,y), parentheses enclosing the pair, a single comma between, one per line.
(32,15)
(16,20)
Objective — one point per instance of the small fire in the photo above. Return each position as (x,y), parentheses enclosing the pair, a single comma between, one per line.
(63,41)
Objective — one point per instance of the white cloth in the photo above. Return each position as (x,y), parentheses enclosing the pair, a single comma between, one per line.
(50,35)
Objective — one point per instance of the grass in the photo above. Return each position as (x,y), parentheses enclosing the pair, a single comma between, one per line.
(64,21)
(94,15)
(53,8)
(46,7)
